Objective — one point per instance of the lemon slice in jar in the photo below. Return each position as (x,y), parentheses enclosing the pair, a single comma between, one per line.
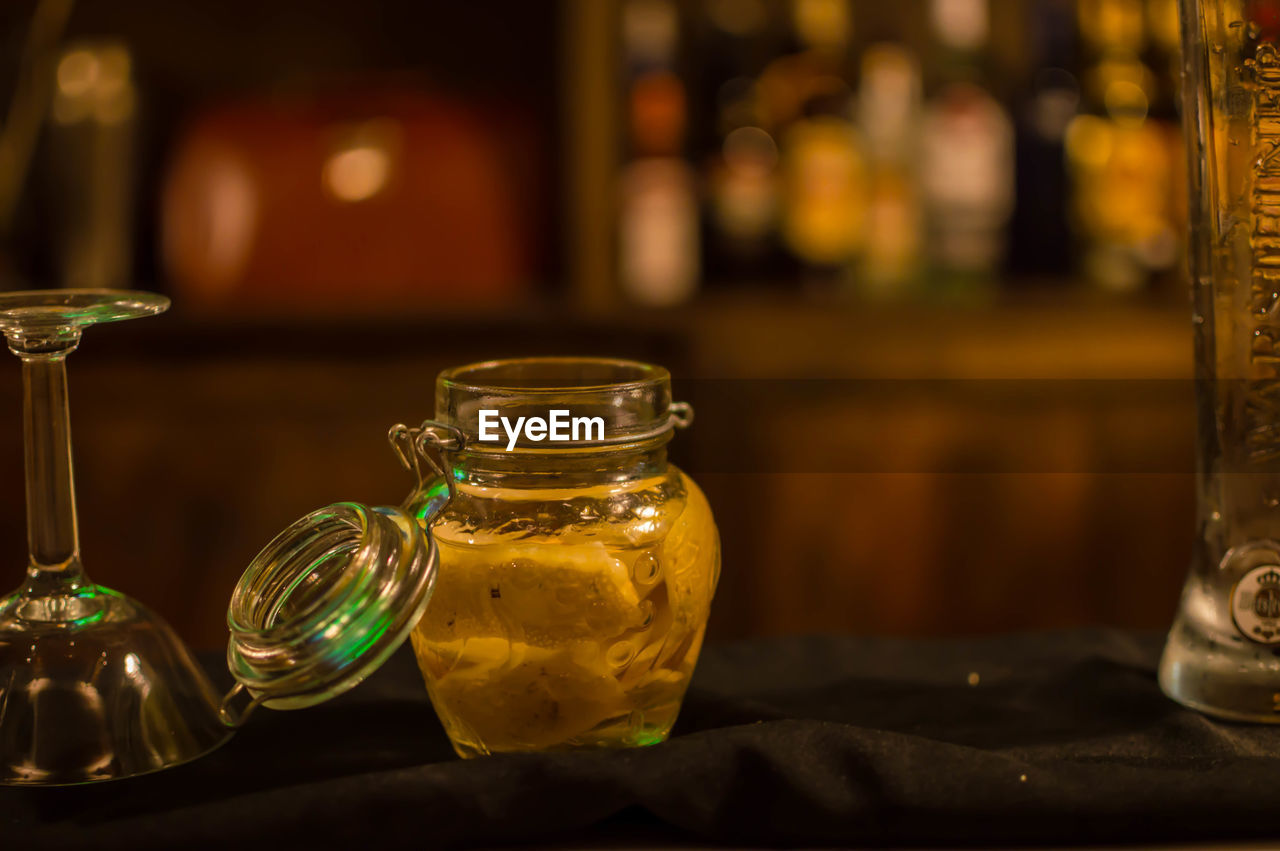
(539,594)
(515,696)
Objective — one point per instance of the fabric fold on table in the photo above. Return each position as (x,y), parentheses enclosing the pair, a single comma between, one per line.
(1037,739)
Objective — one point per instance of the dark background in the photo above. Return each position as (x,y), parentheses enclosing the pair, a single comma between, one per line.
(1018,457)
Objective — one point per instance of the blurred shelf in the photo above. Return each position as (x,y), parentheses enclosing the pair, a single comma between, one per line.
(360,335)
(1065,336)
(722,335)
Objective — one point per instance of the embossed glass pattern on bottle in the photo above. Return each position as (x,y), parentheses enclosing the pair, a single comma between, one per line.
(1223,654)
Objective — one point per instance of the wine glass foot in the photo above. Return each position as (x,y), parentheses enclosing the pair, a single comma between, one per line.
(35,309)
(107,695)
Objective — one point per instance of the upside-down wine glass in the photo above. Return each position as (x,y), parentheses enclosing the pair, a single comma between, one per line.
(93,685)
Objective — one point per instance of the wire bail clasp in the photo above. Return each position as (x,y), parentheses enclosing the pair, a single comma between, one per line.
(428,442)
(231,718)
(680,415)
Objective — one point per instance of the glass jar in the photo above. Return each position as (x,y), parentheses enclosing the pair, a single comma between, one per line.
(555,572)
(575,575)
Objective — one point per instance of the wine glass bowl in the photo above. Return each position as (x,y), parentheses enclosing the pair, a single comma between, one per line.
(93,685)
(108,695)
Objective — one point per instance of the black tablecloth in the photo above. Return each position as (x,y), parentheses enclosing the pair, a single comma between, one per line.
(1058,738)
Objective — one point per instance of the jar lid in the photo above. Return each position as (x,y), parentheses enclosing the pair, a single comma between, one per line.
(326,603)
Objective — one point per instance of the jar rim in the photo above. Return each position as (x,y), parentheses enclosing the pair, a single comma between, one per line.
(486,376)
(369,573)
(253,615)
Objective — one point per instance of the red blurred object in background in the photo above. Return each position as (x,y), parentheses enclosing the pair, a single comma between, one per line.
(351,201)
(1266,15)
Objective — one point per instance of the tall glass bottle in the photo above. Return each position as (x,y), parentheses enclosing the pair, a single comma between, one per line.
(1223,653)
(889,106)
(1120,153)
(739,143)
(1042,241)
(659,254)
(823,201)
(966,155)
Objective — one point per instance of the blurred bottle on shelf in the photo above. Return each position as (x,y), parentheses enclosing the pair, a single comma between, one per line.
(1122,156)
(803,137)
(889,115)
(819,60)
(659,252)
(91,165)
(1165,26)
(1042,239)
(824,168)
(737,38)
(743,202)
(966,156)
(741,166)
(825,202)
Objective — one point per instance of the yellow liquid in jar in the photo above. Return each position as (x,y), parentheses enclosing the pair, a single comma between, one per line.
(583,638)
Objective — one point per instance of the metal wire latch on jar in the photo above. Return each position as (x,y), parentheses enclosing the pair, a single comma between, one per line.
(433,441)
(428,442)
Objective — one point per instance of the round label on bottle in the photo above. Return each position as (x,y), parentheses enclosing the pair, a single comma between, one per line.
(1255,605)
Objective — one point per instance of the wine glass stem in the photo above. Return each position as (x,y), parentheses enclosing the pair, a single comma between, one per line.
(52,533)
